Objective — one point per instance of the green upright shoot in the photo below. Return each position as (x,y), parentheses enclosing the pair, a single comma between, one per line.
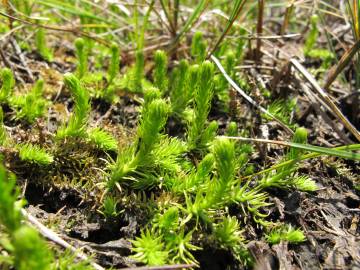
(8,83)
(160,71)
(82,57)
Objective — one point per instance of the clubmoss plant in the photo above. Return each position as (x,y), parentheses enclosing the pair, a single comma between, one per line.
(309,47)
(26,248)
(77,125)
(209,133)
(312,36)
(184,88)
(196,179)
(198,48)
(114,65)
(282,110)
(27,152)
(154,116)
(223,189)
(151,124)
(202,103)
(178,96)
(41,45)
(25,245)
(180,247)
(177,243)
(102,140)
(150,249)
(108,94)
(3,134)
(30,251)
(285,177)
(32,105)
(168,221)
(35,154)
(139,70)
(82,57)
(10,214)
(153,154)
(224,153)
(232,130)
(228,233)
(160,71)
(134,79)
(8,83)
(109,209)
(285,233)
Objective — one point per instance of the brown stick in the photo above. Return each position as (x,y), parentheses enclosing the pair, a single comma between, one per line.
(56,28)
(344,61)
(288,12)
(334,109)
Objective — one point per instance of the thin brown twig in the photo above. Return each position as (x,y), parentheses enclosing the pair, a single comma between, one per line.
(57,28)
(334,109)
(317,105)
(288,12)
(344,61)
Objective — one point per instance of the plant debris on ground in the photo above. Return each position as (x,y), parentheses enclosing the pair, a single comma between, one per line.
(179,134)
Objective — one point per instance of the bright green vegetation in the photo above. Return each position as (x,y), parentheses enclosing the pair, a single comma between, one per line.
(286,233)
(41,46)
(188,165)
(31,105)
(77,125)
(8,82)
(33,153)
(82,56)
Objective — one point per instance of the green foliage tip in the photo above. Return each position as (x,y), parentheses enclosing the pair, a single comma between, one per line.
(160,71)
(8,83)
(82,57)
(78,120)
(114,63)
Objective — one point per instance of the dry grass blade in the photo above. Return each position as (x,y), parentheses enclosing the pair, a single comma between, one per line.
(191,20)
(334,109)
(56,28)
(248,98)
(303,157)
(289,10)
(344,61)
(239,4)
(168,17)
(306,147)
(320,106)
